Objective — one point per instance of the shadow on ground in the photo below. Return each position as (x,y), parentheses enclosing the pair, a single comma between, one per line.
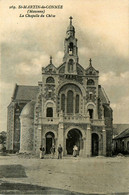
(19,188)
(12,171)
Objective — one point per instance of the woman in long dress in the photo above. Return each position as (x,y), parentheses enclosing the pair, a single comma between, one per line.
(75,149)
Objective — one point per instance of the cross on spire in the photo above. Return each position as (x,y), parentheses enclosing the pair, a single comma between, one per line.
(90,62)
(70,20)
(50,59)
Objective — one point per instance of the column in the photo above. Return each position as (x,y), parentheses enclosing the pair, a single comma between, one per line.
(104,141)
(100,152)
(61,131)
(65,103)
(74,103)
(82,151)
(44,142)
(88,141)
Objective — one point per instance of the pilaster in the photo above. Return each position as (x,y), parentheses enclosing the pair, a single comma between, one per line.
(104,141)
(88,141)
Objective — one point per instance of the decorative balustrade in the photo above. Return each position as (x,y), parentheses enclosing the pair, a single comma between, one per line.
(49,120)
(75,119)
(72,119)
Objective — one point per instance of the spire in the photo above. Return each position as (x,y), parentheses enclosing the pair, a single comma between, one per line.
(90,60)
(50,59)
(70,30)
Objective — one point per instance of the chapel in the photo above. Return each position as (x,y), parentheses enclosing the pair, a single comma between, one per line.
(67,107)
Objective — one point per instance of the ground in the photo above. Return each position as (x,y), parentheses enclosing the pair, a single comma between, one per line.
(96,175)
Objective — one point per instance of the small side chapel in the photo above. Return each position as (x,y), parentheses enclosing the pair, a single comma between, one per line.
(68,107)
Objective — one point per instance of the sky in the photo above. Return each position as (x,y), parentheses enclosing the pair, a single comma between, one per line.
(102,30)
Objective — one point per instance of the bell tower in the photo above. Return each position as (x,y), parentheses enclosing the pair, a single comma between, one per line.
(70,50)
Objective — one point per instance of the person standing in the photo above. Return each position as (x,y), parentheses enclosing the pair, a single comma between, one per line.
(75,150)
(53,151)
(42,152)
(60,150)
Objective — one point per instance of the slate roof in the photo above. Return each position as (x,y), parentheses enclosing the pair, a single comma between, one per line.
(123,134)
(118,128)
(24,92)
(103,96)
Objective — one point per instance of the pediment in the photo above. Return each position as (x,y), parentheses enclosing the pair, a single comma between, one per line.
(91,71)
(50,69)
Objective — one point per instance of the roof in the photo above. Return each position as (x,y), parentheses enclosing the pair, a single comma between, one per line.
(118,128)
(103,96)
(123,134)
(24,92)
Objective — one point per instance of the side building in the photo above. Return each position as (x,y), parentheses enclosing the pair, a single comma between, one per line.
(121,142)
(67,107)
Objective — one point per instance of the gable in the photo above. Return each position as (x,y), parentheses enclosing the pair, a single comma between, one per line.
(50,69)
(91,71)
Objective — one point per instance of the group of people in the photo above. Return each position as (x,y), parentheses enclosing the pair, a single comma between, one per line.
(52,150)
(60,150)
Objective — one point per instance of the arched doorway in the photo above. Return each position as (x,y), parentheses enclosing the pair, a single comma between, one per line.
(95,144)
(50,138)
(74,137)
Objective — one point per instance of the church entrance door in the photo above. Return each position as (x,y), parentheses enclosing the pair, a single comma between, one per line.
(95,144)
(74,137)
(49,141)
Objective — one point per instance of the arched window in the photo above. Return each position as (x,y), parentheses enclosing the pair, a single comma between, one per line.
(70,102)
(71,48)
(90,113)
(77,104)
(90,82)
(63,102)
(90,95)
(50,80)
(49,112)
(70,65)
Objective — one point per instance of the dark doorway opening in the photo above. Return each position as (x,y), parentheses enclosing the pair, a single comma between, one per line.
(49,141)
(95,144)
(74,138)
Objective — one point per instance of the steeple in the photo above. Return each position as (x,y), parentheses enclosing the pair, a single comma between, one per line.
(70,46)
(70,30)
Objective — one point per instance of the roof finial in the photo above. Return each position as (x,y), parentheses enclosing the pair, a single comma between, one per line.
(50,59)
(90,62)
(70,20)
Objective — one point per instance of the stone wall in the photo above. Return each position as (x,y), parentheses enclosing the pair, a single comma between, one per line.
(10,127)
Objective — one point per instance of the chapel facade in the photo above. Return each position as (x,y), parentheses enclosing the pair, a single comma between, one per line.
(68,107)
